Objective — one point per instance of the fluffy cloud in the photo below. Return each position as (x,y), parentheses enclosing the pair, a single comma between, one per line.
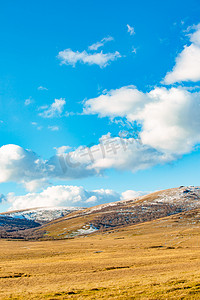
(169,127)
(169,119)
(35,184)
(187,67)
(117,103)
(121,154)
(130,29)
(97,45)
(27,168)
(69,57)
(20,165)
(130,194)
(54,110)
(66,196)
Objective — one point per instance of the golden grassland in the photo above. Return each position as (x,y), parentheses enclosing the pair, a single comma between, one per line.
(153,260)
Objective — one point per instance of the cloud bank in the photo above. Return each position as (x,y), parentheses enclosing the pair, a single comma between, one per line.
(65,195)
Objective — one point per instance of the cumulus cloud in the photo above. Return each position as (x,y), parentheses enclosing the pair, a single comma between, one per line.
(119,153)
(97,45)
(169,126)
(20,165)
(169,118)
(54,110)
(35,184)
(27,168)
(65,196)
(130,29)
(130,194)
(70,57)
(187,66)
(116,103)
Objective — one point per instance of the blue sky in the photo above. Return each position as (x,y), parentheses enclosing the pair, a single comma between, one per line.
(38,40)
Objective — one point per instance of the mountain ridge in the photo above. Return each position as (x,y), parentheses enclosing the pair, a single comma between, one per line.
(61,223)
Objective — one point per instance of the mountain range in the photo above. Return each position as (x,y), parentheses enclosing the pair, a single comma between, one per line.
(69,222)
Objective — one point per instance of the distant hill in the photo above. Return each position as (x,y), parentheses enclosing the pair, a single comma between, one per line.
(41,214)
(19,221)
(61,223)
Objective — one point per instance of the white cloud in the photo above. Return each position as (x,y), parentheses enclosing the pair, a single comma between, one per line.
(36,184)
(54,110)
(28,101)
(69,57)
(116,103)
(97,45)
(35,124)
(187,67)
(53,128)
(65,196)
(134,50)
(27,168)
(169,127)
(130,194)
(169,119)
(42,88)
(130,29)
(111,152)
(20,165)
(62,149)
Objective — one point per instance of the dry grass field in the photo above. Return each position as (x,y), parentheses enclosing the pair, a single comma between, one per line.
(154,260)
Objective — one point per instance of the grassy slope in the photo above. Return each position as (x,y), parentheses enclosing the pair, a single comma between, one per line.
(154,260)
(68,225)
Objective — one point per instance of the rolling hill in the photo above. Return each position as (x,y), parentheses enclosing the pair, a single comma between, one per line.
(62,223)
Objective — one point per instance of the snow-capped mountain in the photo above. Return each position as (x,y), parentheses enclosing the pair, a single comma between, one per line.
(41,215)
(79,221)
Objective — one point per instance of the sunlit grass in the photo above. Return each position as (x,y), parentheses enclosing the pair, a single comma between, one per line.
(155,260)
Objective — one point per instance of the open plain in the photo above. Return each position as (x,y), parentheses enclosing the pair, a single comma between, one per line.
(152,260)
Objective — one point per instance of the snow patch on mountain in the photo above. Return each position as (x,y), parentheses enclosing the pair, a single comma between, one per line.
(42,215)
